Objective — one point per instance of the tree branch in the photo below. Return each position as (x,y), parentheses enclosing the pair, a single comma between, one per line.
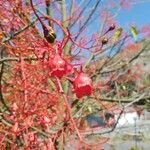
(18,32)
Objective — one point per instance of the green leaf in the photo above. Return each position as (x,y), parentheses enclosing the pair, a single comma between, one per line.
(134,32)
(90,109)
(124,87)
(117,34)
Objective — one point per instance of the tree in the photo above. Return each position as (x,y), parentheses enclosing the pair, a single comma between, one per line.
(47,84)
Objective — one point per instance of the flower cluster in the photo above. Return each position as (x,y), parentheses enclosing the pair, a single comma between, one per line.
(59,67)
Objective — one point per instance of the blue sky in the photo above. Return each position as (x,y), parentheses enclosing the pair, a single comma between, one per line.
(139,15)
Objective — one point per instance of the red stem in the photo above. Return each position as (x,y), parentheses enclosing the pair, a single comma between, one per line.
(24,79)
(69,110)
(71,118)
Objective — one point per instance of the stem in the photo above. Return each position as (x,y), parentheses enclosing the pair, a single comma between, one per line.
(25,84)
(64,13)
(71,118)
(24,79)
(1,90)
(40,131)
(69,110)
(48,11)
(55,21)
(8,38)
(43,25)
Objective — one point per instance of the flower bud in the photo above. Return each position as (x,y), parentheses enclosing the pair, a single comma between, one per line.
(57,66)
(82,85)
(104,41)
(49,34)
(112,27)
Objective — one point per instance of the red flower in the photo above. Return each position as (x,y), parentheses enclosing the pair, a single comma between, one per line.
(58,66)
(82,85)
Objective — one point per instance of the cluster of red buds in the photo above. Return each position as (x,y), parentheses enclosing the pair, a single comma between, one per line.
(59,67)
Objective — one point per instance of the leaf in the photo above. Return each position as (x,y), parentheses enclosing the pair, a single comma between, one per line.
(90,109)
(124,87)
(117,34)
(134,32)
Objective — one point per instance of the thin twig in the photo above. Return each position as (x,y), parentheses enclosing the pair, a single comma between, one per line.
(18,32)
(115,100)
(7,59)
(1,76)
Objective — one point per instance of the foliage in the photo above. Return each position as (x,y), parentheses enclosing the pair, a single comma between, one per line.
(54,73)
(134,148)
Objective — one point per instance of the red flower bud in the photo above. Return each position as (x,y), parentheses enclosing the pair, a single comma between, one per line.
(82,85)
(58,66)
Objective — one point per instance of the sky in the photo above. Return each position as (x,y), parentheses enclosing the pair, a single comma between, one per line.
(139,15)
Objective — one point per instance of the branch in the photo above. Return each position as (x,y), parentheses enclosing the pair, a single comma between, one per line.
(1,76)
(80,14)
(99,132)
(48,10)
(9,124)
(69,110)
(18,32)
(110,57)
(88,18)
(138,54)
(128,62)
(18,59)
(115,100)
(136,100)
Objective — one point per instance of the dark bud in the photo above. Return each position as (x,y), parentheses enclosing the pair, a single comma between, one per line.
(112,27)
(49,34)
(51,37)
(104,41)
